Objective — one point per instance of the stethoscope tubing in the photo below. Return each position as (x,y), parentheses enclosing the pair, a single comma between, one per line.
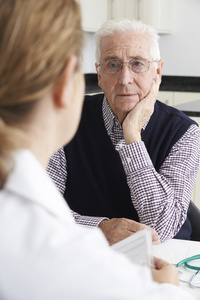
(187,260)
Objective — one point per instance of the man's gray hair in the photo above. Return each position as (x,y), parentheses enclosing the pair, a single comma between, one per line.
(124,25)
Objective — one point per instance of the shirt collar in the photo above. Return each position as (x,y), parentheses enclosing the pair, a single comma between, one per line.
(108,115)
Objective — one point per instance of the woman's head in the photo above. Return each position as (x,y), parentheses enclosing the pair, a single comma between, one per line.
(37,38)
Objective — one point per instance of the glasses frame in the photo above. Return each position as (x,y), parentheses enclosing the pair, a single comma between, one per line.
(127,63)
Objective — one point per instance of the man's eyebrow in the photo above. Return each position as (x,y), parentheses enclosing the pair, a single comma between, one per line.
(136,57)
(112,58)
(117,58)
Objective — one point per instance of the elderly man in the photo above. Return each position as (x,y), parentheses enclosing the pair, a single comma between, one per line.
(134,160)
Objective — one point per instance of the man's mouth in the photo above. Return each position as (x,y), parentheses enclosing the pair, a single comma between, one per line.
(127,95)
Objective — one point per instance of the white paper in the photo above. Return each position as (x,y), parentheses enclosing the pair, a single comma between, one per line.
(137,247)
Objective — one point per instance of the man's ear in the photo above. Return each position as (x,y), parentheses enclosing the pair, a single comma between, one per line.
(160,66)
(98,74)
(63,87)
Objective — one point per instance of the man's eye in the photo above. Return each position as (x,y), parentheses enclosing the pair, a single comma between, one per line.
(112,65)
(137,63)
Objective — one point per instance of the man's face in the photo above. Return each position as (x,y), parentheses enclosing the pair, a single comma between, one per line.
(125,89)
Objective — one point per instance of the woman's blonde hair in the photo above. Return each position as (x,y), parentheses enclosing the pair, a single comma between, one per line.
(37,38)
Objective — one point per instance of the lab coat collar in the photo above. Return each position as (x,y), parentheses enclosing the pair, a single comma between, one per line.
(30,181)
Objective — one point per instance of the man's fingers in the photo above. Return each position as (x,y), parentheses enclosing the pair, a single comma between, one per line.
(153,93)
(155,237)
(135,226)
(118,229)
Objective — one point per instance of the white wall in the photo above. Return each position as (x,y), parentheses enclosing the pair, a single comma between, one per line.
(180,50)
(89,53)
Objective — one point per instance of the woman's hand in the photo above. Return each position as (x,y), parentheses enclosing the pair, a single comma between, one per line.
(164,272)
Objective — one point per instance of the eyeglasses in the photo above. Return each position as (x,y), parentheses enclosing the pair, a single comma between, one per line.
(135,65)
(190,273)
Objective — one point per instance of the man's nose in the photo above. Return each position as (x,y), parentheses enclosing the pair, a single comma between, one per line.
(125,75)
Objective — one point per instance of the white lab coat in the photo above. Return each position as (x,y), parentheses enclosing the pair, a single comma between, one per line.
(44,255)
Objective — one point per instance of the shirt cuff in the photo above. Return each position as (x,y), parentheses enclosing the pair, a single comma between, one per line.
(134,156)
(88,221)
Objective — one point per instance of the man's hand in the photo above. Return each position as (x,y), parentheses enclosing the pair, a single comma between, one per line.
(118,229)
(140,114)
(164,272)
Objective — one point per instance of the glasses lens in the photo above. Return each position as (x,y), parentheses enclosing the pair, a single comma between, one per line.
(139,65)
(111,67)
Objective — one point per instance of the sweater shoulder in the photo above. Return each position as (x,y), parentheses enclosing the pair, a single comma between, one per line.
(92,107)
(93,99)
(172,113)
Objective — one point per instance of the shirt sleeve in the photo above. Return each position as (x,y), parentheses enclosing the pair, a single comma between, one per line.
(87,221)
(162,198)
(57,170)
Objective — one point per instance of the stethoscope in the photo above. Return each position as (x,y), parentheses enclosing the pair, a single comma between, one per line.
(187,260)
(189,266)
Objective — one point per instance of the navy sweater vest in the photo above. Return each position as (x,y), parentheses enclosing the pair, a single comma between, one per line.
(96,183)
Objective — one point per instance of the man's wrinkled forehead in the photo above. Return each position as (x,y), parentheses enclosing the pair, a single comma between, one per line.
(129,44)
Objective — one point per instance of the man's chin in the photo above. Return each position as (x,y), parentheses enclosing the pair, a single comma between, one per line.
(127,106)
